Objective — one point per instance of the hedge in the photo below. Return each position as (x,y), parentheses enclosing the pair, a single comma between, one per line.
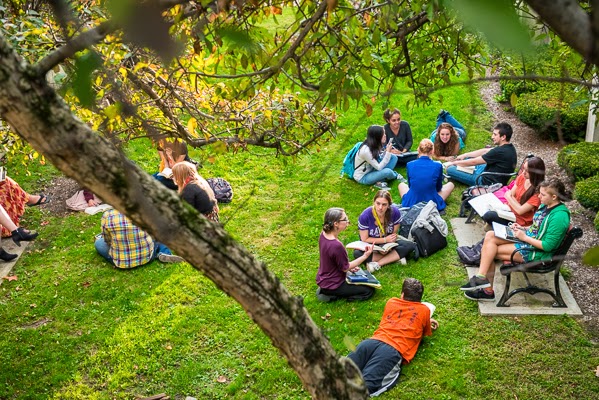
(539,109)
(587,192)
(597,222)
(580,160)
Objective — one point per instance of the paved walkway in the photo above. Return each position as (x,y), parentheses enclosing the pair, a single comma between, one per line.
(522,303)
(10,247)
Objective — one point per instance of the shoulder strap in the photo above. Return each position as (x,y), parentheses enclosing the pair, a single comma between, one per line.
(378,222)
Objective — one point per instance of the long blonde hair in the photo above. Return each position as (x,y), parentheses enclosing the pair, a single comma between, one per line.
(184,170)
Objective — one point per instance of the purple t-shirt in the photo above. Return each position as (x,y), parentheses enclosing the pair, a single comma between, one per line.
(333,263)
(367,221)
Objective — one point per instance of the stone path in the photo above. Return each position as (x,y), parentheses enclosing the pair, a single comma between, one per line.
(520,304)
(9,246)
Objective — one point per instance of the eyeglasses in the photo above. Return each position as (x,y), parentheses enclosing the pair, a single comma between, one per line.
(344,220)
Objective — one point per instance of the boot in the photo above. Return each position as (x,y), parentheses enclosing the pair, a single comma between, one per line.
(4,256)
(22,235)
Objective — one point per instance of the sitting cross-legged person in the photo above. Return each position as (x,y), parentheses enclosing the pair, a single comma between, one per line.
(549,227)
(126,246)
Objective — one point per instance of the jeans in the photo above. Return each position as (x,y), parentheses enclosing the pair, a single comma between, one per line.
(464,177)
(385,174)
(445,116)
(103,249)
(169,183)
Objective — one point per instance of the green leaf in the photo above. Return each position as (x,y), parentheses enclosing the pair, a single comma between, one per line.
(496,20)
(85,65)
(591,257)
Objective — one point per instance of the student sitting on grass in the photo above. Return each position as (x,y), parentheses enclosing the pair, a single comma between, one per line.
(373,164)
(334,262)
(379,224)
(425,180)
(404,323)
(549,227)
(126,246)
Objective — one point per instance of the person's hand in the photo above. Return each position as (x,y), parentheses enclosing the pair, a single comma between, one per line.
(447,164)
(92,203)
(354,269)
(391,238)
(389,147)
(404,150)
(368,251)
(434,324)
(460,157)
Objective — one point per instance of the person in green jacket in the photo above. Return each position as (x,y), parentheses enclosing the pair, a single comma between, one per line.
(548,230)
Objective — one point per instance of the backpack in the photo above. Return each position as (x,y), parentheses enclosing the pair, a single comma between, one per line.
(470,255)
(429,242)
(408,216)
(222,189)
(349,162)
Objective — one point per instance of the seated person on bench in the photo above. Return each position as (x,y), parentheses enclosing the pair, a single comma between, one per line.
(549,227)
(502,158)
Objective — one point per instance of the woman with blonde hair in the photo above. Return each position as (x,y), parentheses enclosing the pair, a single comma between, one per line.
(425,179)
(195,190)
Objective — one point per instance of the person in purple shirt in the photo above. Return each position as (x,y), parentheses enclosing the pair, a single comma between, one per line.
(379,224)
(334,262)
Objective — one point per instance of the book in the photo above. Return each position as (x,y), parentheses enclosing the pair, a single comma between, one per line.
(504,211)
(381,248)
(468,170)
(362,277)
(430,306)
(485,202)
(97,209)
(167,173)
(2,174)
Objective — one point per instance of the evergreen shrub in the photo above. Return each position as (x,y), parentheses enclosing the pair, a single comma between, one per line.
(539,110)
(580,160)
(597,222)
(587,192)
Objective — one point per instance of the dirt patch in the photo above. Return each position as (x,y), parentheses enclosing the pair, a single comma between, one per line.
(59,191)
(584,280)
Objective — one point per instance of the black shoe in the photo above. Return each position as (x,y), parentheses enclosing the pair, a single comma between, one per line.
(479,295)
(476,283)
(22,235)
(4,256)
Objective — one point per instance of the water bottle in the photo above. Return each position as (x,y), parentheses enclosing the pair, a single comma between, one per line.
(494,187)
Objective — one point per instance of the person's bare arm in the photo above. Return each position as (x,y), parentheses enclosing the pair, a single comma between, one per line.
(473,154)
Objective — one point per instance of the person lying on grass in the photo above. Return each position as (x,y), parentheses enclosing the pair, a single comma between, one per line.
(549,227)
(404,323)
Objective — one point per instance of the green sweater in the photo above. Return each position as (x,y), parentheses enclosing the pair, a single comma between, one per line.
(552,229)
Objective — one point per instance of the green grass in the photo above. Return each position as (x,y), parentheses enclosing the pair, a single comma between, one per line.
(165,328)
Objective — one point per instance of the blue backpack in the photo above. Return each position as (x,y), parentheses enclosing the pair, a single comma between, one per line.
(349,162)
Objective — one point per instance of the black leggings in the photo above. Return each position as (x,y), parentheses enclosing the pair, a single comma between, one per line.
(491,216)
(350,292)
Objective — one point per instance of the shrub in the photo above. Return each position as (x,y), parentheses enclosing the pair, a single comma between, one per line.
(587,192)
(539,110)
(597,222)
(580,160)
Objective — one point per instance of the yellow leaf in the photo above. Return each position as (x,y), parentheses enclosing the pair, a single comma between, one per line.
(513,100)
(192,124)
(139,66)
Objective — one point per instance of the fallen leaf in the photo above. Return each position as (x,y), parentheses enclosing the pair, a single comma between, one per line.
(44,223)
(32,305)
(221,379)
(86,284)
(169,347)
(340,319)
(597,372)
(10,278)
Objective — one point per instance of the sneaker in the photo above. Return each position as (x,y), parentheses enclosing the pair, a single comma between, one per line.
(401,179)
(476,283)
(324,297)
(479,295)
(382,186)
(403,261)
(170,258)
(373,266)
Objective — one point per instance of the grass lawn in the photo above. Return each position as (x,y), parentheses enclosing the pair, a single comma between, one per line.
(75,328)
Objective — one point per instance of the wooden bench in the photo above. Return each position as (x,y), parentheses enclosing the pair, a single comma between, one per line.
(551,265)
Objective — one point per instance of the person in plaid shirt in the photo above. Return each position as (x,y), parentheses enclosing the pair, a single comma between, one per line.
(126,246)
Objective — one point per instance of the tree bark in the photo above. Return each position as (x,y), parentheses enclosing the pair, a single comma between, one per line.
(41,117)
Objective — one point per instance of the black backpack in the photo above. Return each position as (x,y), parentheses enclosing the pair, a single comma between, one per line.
(222,189)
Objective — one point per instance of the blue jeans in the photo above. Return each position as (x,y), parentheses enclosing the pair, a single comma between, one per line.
(169,183)
(464,177)
(103,249)
(385,174)
(445,116)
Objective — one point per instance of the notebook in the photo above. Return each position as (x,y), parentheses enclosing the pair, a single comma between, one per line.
(504,232)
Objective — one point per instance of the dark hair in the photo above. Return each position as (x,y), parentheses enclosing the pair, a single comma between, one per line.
(387,196)
(446,149)
(332,215)
(536,175)
(374,139)
(558,187)
(504,129)
(389,113)
(412,289)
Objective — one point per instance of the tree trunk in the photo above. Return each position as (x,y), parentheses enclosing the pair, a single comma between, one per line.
(34,110)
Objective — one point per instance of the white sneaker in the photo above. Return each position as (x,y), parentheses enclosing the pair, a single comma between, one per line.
(170,258)
(373,266)
(403,261)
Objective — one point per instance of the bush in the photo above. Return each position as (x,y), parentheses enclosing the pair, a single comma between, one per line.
(539,110)
(597,222)
(587,192)
(580,160)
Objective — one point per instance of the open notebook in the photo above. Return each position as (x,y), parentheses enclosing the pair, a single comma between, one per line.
(504,232)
